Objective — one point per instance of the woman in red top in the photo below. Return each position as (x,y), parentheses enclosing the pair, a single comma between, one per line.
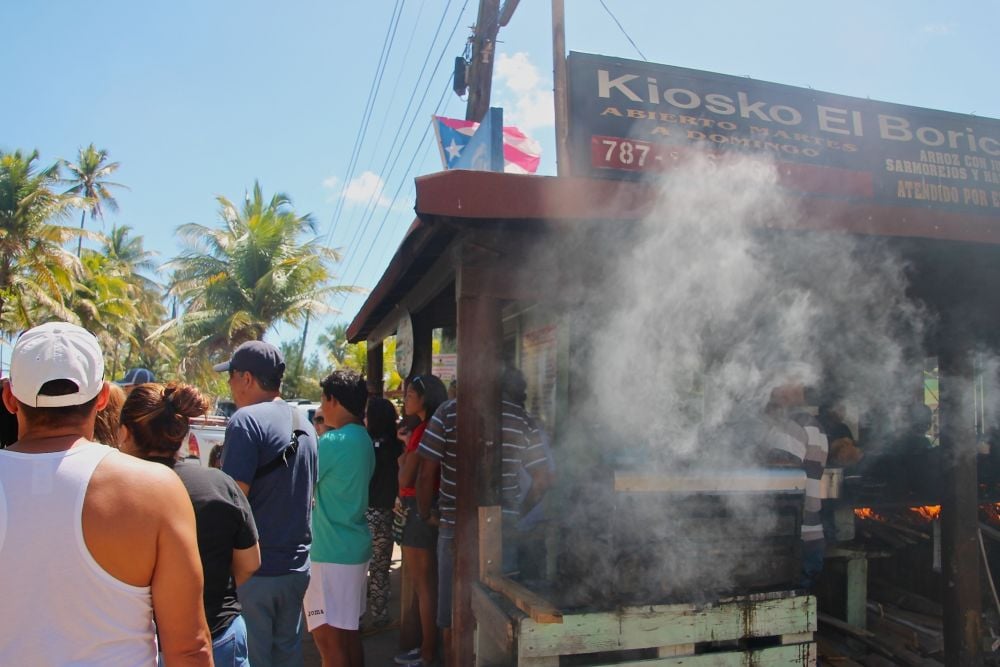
(423,395)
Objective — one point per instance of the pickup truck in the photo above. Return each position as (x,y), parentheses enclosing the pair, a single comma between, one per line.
(208,431)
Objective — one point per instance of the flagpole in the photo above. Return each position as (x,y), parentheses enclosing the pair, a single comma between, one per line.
(560,88)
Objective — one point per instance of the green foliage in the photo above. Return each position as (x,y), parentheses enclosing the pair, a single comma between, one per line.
(354,356)
(302,383)
(36,271)
(89,187)
(263,265)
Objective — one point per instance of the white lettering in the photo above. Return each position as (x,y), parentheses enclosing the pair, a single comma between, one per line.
(605,85)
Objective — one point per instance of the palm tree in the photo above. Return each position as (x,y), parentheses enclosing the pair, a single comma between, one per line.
(238,280)
(35,269)
(88,183)
(128,259)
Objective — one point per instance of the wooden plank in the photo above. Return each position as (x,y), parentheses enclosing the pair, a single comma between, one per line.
(666,625)
(492,617)
(675,650)
(770,480)
(535,606)
(797,655)
(490,541)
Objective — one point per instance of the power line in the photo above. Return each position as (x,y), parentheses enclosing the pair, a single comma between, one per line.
(369,106)
(377,192)
(395,196)
(622,28)
(376,195)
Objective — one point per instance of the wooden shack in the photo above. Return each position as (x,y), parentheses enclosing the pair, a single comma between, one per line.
(461,266)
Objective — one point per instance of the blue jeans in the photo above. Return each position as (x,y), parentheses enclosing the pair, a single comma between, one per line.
(272,608)
(446,577)
(230,648)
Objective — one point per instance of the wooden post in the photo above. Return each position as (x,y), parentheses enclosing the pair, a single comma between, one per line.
(423,336)
(560,89)
(959,510)
(375,369)
(479,339)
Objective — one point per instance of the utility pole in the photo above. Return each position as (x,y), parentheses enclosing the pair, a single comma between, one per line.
(560,92)
(480,77)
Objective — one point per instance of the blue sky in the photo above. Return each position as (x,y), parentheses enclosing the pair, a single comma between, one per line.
(197,99)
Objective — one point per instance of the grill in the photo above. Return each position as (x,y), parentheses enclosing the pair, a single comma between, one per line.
(682,537)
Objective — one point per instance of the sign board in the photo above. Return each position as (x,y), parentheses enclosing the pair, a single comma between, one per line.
(631,119)
(539,363)
(445,366)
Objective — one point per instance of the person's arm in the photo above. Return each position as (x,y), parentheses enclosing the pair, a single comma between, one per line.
(426,480)
(541,480)
(245,563)
(239,451)
(408,469)
(178,580)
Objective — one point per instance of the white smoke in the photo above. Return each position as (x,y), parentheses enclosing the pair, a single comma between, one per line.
(707,303)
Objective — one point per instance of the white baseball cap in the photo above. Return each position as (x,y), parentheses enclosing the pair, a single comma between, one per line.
(56,351)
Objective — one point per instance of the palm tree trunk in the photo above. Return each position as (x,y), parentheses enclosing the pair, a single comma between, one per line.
(79,241)
(302,345)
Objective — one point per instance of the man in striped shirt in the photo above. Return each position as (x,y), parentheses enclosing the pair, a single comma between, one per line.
(522,448)
(796,438)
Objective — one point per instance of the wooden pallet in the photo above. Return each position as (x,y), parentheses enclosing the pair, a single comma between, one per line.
(685,635)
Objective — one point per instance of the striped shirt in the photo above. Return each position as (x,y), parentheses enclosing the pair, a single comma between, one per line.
(439,444)
(521,447)
(806,444)
(815,460)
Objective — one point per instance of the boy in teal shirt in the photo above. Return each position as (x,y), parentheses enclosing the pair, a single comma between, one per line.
(342,545)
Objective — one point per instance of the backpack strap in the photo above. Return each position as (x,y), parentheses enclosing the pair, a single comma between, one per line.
(283,459)
(286,455)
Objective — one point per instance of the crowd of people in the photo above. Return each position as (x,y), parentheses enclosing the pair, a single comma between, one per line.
(115,550)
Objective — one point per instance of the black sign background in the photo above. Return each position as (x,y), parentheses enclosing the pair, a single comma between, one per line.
(630,119)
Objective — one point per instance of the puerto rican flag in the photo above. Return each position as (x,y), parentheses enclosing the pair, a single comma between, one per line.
(521,153)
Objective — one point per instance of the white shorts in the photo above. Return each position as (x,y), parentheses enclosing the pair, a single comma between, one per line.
(336,595)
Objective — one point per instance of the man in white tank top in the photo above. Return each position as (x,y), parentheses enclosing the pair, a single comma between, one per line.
(93,543)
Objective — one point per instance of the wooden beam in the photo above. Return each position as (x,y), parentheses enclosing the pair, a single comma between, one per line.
(490,541)
(375,371)
(666,625)
(479,340)
(437,278)
(497,620)
(423,344)
(534,605)
(959,509)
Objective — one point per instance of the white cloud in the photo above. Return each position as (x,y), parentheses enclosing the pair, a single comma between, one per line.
(939,28)
(531,103)
(330,182)
(364,187)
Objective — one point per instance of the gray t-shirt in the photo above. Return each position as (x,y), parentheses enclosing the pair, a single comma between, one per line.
(281,500)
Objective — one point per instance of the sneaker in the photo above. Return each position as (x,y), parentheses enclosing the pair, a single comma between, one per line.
(408,657)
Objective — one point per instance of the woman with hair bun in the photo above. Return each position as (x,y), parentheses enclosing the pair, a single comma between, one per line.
(155,419)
